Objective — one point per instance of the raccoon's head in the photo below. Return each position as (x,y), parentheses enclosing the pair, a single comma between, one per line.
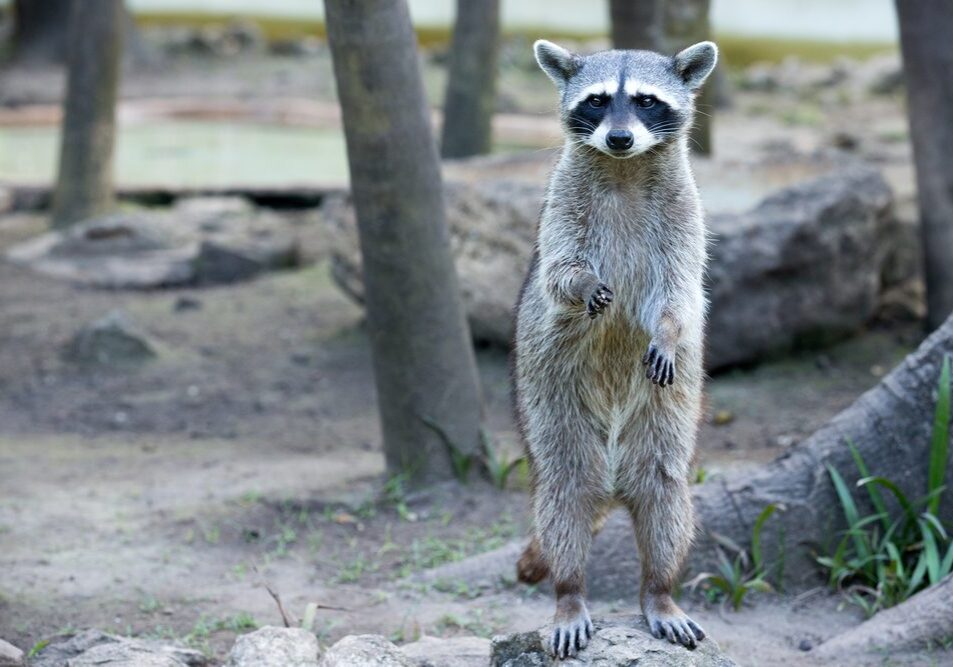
(624,103)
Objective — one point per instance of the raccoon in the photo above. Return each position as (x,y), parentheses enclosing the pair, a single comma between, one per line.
(609,330)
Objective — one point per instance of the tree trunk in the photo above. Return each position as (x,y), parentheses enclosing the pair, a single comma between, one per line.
(425,372)
(84,186)
(471,82)
(687,22)
(925,30)
(924,620)
(41,33)
(637,24)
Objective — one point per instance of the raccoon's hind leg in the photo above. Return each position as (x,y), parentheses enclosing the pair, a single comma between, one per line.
(568,497)
(658,496)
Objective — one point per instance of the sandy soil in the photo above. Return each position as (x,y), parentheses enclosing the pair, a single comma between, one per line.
(159,501)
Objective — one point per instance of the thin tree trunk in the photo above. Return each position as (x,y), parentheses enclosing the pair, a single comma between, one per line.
(427,387)
(687,22)
(84,186)
(471,83)
(41,33)
(637,24)
(926,27)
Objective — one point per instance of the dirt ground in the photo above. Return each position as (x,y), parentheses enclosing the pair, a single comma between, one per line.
(160,501)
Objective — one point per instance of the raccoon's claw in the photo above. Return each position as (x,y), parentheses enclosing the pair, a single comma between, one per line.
(571,637)
(601,297)
(659,367)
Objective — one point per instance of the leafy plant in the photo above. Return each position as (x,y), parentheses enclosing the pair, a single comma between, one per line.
(744,573)
(460,460)
(497,463)
(885,557)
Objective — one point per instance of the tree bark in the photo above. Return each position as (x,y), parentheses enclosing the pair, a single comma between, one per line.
(471,82)
(425,372)
(924,620)
(687,22)
(637,24)
(925,30)
(84,185)
(41,33)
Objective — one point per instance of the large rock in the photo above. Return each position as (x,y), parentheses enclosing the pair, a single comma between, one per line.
(275,647)
(492,225)
(198,241)
(94,648)
(618,642)
(803,266)
(113,340)
(365,651)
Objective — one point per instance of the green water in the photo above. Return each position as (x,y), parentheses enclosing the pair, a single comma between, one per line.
(191,153)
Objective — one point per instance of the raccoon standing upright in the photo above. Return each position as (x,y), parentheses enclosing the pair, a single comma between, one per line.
(609,330)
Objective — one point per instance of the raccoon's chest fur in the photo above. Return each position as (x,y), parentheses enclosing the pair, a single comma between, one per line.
(622,246)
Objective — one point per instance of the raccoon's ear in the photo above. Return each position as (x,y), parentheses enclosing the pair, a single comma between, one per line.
(694,64)
(558,63)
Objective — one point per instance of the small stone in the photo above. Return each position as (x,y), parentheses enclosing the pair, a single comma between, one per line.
(113,340)
(275,647)
(10,655)
(786,440)
(184,303)
(805,645)
(364,650)
(723,417)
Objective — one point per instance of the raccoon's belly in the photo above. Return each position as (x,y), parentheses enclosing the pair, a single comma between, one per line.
(609,370)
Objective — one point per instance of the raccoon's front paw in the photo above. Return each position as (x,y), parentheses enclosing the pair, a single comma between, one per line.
(659,366)
(599,300)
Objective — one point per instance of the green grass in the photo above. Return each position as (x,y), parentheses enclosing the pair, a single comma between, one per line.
(885,557)
(745,573)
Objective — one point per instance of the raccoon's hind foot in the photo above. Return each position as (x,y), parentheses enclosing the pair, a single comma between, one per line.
(667,621)
(659,366)
(599,300)
(531,568)
(572,627)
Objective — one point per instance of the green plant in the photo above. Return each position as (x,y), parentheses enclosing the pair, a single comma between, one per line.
(745,573)
(497,463)
(460,460)
(885,557)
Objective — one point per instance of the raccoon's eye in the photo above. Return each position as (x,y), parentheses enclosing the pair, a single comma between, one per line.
(596,101)
(645,101)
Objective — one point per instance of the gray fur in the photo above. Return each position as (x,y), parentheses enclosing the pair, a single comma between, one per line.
(598,431)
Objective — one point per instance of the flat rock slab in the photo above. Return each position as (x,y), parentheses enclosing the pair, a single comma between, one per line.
(618,642)
(205,240)
(94,648)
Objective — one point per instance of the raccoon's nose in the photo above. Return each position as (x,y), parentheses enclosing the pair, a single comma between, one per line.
(619,140)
